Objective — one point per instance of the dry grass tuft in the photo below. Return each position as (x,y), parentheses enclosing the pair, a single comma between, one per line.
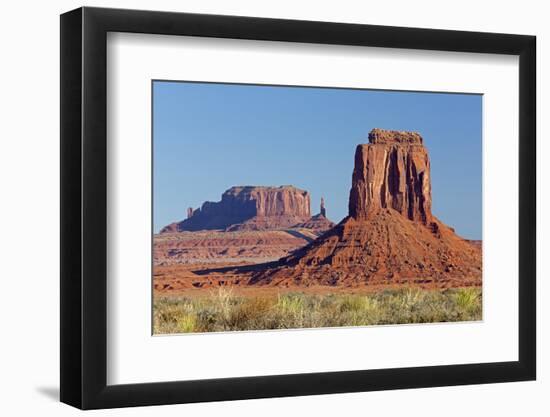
(225,311)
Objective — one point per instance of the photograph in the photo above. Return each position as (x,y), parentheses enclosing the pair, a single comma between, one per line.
(290,207)
(268,209)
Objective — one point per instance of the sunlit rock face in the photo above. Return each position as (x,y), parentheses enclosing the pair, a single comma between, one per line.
(391,171)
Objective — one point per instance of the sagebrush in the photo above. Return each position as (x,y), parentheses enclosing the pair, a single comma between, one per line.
(224,311)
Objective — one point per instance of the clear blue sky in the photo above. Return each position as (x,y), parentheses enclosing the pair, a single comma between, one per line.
(209,137)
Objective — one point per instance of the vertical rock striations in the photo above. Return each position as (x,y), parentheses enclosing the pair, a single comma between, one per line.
(392,171)
(272,201)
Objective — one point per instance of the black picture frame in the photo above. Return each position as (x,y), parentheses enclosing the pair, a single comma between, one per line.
(84,207)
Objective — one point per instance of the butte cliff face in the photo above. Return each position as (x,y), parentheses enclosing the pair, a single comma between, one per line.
(249,208)
(390,235)
(392,171)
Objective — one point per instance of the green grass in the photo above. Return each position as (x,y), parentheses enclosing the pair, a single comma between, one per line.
(224,311)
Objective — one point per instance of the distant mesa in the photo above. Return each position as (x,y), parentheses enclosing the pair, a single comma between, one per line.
(390,235)
(252,208)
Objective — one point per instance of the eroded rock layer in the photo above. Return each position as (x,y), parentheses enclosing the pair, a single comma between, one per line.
(215,247)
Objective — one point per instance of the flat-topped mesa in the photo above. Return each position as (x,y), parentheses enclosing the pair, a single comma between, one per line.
(272,201)
(249,208)
(391,172)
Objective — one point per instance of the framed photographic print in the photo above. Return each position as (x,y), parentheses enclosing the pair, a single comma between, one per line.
(258,207)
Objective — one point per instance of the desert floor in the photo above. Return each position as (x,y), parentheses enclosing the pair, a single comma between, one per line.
(236,309)
(196,290)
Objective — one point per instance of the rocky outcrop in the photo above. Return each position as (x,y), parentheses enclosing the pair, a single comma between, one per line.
(390,235)
(323,210)
(390,137)
(170,228)
(249,208)
(392,171)
(318,223)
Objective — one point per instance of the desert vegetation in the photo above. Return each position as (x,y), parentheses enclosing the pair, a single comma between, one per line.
(223,310)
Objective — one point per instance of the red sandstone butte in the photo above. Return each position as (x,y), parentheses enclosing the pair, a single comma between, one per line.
(390,235)
(392,171)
